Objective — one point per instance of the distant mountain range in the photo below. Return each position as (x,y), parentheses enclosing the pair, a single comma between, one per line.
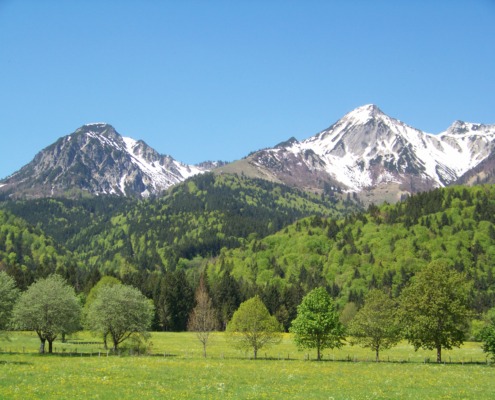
(366,152)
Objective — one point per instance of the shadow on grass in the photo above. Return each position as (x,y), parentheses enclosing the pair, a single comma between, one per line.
(3,362)
(426,362)
(82,342)
(352,360)
(109,353)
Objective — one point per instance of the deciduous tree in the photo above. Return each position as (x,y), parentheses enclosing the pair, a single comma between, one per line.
(252,326)
(487,333)
(203,318)
(434,308)
(375,324)
(49,307)
(317,324)
(104,281)
(93,293)
(122,311)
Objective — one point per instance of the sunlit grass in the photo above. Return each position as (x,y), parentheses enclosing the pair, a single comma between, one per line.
(185,345)
(177,370)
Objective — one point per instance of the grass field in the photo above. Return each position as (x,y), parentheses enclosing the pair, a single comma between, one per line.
(177,370)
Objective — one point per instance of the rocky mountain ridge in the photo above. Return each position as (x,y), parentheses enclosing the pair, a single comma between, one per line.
(368,151)
(97,160)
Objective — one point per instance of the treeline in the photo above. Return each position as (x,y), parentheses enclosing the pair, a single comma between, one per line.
(172,293)
(432,312)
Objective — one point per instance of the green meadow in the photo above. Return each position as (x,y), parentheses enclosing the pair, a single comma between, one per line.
(175,369)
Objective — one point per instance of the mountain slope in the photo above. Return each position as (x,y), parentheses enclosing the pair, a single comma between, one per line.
(366,150)
(382,248)
(96,160)
(483,173)
(196,218)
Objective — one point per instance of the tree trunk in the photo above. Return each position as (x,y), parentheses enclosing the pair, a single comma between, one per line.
(50,346)
(115,341)
(42,346)
(439,353)
(318,354)
(255,353)
(377,355)
(204,350)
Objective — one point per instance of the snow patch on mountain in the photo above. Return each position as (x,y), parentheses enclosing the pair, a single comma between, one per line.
(162,176)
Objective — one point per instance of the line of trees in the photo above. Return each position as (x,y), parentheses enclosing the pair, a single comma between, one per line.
(51,308)
(432,312)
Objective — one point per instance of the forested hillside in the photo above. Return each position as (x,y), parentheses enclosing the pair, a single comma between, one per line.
(63,219)
(194,219)
(160,244)
(26,253)
(253,237)
(382,248)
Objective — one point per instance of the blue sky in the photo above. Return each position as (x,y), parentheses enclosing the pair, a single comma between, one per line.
(209,80)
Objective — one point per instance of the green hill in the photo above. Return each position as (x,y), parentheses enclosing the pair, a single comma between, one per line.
(382,248)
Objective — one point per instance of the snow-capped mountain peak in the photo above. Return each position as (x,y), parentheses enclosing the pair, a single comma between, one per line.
(97,159)
(363,114)
(366,148)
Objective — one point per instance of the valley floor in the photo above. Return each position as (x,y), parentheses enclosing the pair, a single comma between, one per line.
(177,370)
